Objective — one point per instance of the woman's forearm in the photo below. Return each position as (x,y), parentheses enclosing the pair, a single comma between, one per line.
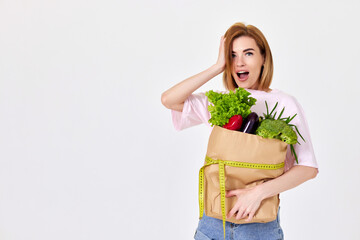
(292,178)
(175,97)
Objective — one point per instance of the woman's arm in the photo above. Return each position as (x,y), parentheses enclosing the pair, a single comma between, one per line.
(249,199)
(292,178)
(175,97)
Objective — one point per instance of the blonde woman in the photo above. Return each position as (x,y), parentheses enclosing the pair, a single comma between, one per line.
(245,60)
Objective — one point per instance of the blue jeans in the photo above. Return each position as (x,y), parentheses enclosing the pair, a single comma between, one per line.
(212,229)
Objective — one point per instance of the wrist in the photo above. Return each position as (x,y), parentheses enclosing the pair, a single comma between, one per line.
(217,68)
(262,191)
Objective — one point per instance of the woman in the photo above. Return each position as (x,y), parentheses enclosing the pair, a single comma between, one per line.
(246,60)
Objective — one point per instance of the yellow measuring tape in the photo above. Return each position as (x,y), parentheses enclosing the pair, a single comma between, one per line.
(222,163)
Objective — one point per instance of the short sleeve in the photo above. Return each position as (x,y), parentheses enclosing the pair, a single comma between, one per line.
(195,112)
(304,150)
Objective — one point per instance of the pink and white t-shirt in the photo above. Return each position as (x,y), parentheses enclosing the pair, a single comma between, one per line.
(195,111)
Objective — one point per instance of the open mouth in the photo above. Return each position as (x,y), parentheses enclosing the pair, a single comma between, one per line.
(243,75)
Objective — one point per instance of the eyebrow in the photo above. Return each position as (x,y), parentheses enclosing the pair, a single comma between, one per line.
(248,49)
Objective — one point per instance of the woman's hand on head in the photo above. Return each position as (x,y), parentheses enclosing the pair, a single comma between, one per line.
(221,58)
(175,97)
(248,202)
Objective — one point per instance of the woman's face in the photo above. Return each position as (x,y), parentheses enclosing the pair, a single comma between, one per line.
(247,62)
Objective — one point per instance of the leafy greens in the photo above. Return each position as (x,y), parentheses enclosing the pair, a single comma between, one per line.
(226,105)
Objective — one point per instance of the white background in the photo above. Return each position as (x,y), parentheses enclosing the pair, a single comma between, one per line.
(87,151)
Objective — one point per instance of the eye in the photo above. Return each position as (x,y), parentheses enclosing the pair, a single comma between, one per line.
(249,54)
(233,55)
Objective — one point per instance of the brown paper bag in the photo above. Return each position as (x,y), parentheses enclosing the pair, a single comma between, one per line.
(235,146)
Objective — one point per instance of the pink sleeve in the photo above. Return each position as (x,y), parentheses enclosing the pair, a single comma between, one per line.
(195,112)
(304,150)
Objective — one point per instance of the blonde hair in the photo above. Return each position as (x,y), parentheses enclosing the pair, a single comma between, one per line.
(239,30)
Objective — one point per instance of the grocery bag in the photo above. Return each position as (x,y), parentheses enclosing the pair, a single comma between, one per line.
(237,160)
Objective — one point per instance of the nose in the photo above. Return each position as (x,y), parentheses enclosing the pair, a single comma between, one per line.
(239,61)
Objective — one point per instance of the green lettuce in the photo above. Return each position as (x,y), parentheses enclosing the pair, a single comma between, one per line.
(226,105)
